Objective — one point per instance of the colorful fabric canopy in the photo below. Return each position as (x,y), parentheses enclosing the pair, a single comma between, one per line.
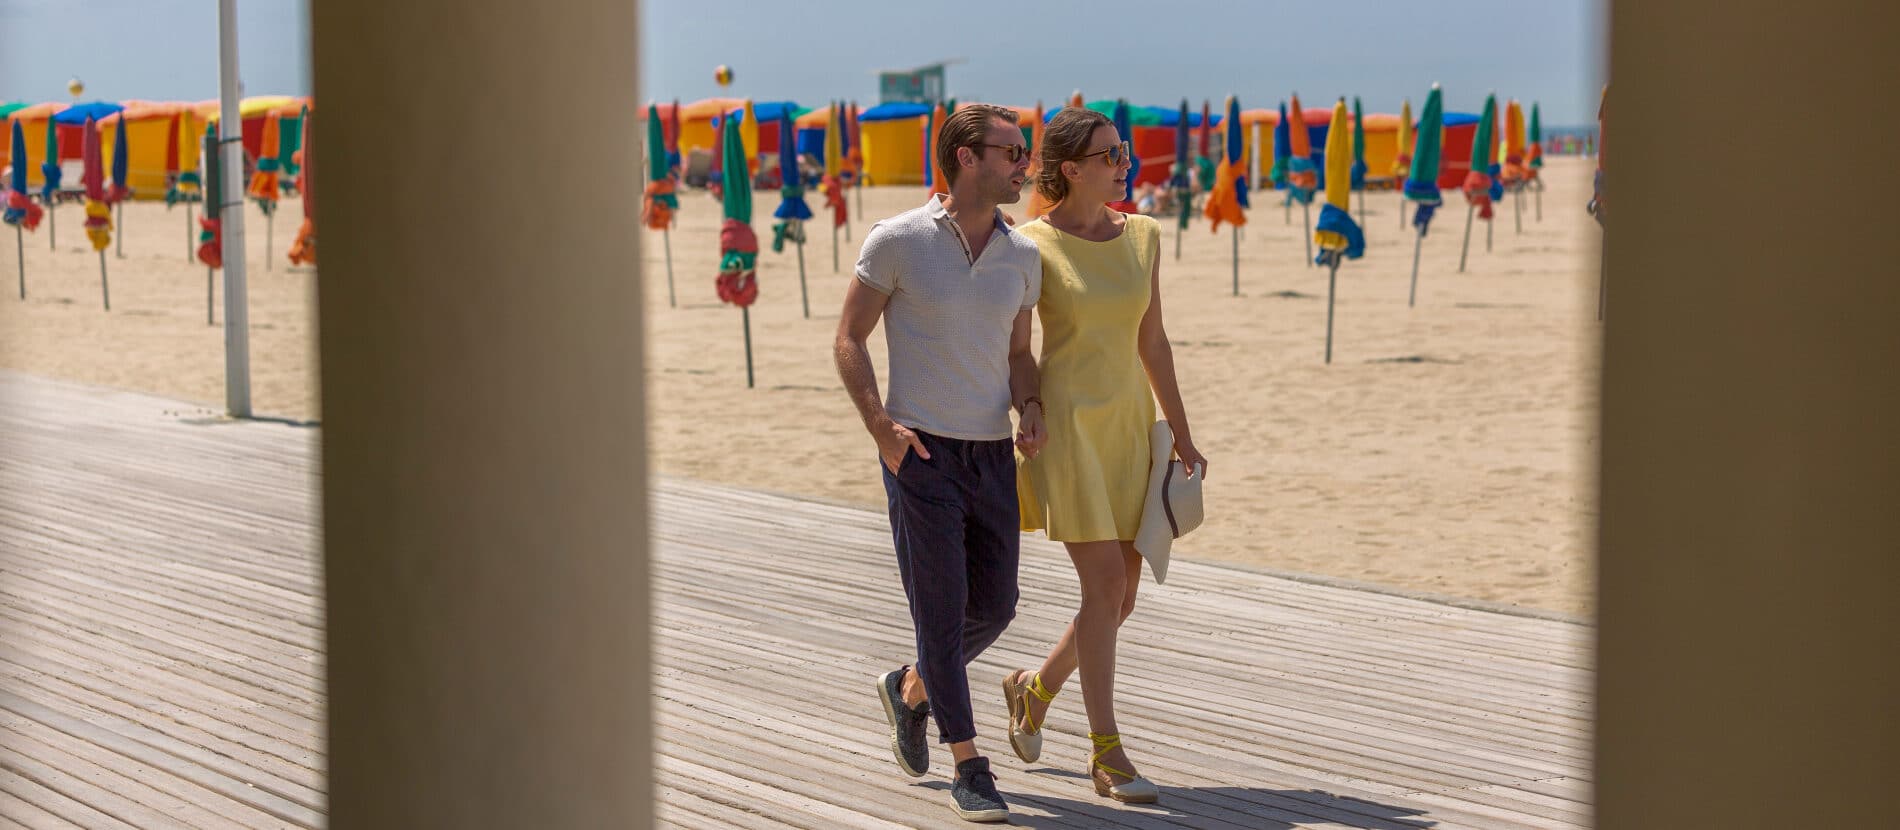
(659,202)
(1223,201)
(1479,184)
(1421,181)
(20,210)
(264,181)
(737,282)
(93,175)
(1302,179)
(1336,233)
(833,182)
(210,237)
(1534,153)
(303,251)
(1358,145)
(792,210)
(1513,172)
(1282,153)
(1402,164)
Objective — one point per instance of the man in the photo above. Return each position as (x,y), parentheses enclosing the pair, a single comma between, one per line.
(954,287)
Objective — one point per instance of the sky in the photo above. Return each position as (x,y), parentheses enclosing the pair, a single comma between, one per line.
(1155,52)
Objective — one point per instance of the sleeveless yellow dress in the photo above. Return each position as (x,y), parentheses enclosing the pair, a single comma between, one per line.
(1090,480)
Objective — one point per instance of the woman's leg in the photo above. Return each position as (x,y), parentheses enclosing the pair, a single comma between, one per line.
(1110,574)
(1060,663)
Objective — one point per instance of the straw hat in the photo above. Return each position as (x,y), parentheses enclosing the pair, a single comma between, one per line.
(1174,502)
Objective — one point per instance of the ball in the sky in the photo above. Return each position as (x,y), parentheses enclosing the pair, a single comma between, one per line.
(723,74)
(76,87)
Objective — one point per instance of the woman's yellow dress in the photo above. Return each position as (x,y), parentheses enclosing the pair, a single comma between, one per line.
(1091,478)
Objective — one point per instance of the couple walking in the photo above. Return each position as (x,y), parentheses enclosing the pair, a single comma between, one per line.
(955,285)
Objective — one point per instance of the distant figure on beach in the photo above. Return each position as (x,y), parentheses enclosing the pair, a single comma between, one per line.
(954,286)
(1105,362)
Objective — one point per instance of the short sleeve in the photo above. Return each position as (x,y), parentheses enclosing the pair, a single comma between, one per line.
(1032,277)
(878,259)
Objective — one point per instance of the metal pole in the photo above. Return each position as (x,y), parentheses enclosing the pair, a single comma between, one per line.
(1603,282)
(1401,213)
(270,231)
(188,240)
(1332,280)
(1517,207)
(1465,250)
(834,249)
(1306,225)
(52,224)
(119,242)
(1178,233)
(1236,260)
(1489,224)
(666,240)
(105,288)
(1539,195)
(1412,299)
(803,296)
(210,291)
(19,242)
(745,314)
(237,318)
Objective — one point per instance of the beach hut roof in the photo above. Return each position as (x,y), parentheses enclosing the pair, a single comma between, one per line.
(705,108)
(79,114)
(894,111)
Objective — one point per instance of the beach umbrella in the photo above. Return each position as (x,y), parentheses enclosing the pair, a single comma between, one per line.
(98,210)
(1037,206)
(1478,185)
(1421,181)
(210,237)
(120,188)
(1513,174)
(289,142)
(1302,178)
(715,175)
(1282,159)
(1359,156)
(264,182)
(738,280)
(749,136)
(833,182)
(1182,181)
(1223,202)
(187,186)
(855,156)
(673,143)
(846,160)
(1597,194)
(1339,238)
(1204,161)
(1403,163)
(792,211)
(303,251)
(21,213)
(660,202)
(1534,160)
(936,180)
(50,174)
(1126,132)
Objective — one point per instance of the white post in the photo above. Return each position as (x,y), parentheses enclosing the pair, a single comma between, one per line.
(1412,298)
(237,343)
(189,248)
(1306,230)
(666,239)
(804,295)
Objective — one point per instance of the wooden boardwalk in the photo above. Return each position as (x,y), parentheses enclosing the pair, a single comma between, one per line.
(160,638)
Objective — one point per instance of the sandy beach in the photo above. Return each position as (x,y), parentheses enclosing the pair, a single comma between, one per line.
(1449,448)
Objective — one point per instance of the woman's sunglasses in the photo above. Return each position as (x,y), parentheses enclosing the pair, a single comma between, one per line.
(1114,154)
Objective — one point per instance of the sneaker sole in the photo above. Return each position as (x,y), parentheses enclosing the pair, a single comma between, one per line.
(890,716)
(990,816)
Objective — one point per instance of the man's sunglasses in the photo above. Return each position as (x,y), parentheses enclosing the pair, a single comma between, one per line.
(1014,151)
(1114,154)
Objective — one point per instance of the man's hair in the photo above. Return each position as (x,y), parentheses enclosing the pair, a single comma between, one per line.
(967,127)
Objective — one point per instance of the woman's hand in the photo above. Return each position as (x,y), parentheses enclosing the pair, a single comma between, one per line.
(1191,458)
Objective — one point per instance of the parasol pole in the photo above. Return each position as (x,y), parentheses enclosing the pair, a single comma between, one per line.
(1306,210)
(105,289)
(210,301)
(834,248)
(1332,280)
(1236,260)
(119,241)
(803,296)
(1418,243)
(1517,207)
(1487,235)
(188,240)
(1465,250)
(19,242)
(666,241)
(745,315)
(270,223)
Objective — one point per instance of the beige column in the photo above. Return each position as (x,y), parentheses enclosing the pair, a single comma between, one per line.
(1750,548)
(485,526)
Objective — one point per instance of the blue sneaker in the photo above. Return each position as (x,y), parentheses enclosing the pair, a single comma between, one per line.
(908,741)
(975,796)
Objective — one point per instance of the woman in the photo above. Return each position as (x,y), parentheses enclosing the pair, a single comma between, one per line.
(1105,362)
